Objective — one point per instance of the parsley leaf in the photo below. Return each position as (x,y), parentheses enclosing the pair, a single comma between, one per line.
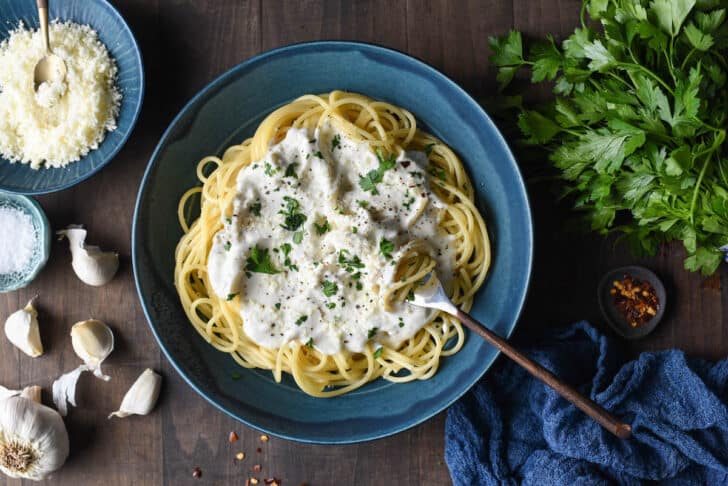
(335,142)
(255,208)
(368,183)
(372,332)
(259,262)
(323,227)
(291,170)
(293,219)
(386,248)
(286,249)
(330,288)
(378,352)
(301,320)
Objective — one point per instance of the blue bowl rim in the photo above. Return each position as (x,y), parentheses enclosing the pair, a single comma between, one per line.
(39,215)
(122,142)
(219,81)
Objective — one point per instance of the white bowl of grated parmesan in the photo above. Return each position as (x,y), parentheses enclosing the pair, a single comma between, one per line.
(67,131)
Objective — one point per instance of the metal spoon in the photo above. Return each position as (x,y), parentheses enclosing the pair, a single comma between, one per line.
(432,295)
(50,67)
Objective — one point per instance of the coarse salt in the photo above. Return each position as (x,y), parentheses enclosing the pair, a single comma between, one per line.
(19,240)
(64,120)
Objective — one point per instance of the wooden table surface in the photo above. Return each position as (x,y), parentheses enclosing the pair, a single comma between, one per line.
(187,43)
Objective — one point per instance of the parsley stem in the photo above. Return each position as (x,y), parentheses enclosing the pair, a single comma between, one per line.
(697,187)
(649,73)
(687,58)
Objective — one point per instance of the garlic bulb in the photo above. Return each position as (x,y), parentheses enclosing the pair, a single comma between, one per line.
(33,437)
(6,393)
(93,342)
(21,328)
(92,266)
(142,396)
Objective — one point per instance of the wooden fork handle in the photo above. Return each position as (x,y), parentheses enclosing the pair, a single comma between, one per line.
(589,407)
(42,3)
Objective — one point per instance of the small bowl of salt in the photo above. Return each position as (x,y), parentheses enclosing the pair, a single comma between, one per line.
(25,241)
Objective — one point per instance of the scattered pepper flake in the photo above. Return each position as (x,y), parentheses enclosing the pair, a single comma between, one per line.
(258,450)
(233,437)
(197,472)
(635,299)
(257,468)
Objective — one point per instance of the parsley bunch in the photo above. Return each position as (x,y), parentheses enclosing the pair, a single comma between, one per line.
(638,124)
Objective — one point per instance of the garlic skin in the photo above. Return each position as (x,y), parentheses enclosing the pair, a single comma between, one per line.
(93,342)
(142,396)
(21,329)
(33,437)
(91,265)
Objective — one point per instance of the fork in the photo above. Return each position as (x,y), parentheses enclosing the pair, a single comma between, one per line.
(431,294)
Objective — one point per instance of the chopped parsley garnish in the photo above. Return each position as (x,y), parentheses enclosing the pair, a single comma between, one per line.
(362,203)
(408,203)
(323,227)
(330,288)
(319,154)
(255,208)
(227,246)
(349,263)
(354,229)
(369,182)
(301,320)
(309,343)
(298,237)
(269,170)
(372,332)
(331,305)
(428,149)
(286,249)
(293,219)
(410,296)
(291,170)
(312,141)
(278,306)
(259,262)
(386,248)
(359,286)
(231,296)
(436,171)
(229,220)
(401,322)
(378,352)
(335,142)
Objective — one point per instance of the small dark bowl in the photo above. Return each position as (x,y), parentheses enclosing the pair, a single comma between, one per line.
(610,312)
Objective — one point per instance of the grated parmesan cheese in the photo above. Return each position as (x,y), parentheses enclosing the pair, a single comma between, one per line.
(64,121)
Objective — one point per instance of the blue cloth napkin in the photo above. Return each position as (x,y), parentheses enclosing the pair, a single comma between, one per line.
(512,429)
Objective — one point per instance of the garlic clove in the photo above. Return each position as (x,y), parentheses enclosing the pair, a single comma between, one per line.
(33,438)
(93,341)
(21,329)
(93,266)
(142,396)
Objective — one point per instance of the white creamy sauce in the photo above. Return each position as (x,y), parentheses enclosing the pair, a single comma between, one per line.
(327,292)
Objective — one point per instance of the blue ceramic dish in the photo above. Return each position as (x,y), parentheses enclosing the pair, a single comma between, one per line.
(29,206)
(227,111)
(119,40)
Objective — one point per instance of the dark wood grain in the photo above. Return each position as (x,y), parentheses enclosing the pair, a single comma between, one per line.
(186,43)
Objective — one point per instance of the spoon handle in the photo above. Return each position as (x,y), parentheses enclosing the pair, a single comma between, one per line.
(592,409)
(43,19)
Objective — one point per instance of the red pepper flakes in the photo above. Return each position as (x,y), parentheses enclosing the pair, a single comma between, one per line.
(257,468)
(258,450)
(272,481)
(197,472)
(636,300)
(233,437)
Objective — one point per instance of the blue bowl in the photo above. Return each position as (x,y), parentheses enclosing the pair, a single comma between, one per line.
(119,40)
(227,111)
(15,281)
